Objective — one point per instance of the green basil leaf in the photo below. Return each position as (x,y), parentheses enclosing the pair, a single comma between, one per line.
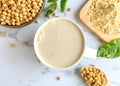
(48,13)
(63,5)
(112,49)
(50,9)
(51,1)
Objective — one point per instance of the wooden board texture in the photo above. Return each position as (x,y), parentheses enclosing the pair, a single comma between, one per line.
(84,18)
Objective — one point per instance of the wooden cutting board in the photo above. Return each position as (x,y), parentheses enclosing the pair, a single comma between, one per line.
(84,18)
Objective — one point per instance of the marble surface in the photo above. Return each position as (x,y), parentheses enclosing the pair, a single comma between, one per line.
(19,66)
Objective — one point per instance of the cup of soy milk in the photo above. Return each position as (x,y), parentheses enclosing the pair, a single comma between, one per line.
(59,43)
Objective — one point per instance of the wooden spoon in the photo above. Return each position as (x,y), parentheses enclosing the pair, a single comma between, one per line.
(93,67)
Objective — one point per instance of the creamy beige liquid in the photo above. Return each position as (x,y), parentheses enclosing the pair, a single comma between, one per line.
(60,43)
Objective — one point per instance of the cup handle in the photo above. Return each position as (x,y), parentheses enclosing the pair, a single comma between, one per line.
(90,53)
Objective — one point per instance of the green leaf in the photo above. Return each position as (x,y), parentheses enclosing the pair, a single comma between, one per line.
(110,50)
(50,9)
(63,5)
(52,1)
(48,13)
(53,6)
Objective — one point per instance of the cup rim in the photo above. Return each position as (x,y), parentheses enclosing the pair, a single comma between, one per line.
(45,63)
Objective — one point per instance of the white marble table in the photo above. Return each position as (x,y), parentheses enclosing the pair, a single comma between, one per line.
(20,67)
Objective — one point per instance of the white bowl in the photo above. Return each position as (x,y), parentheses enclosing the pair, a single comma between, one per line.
(37,53)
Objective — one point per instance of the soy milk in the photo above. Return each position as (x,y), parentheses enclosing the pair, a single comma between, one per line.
(59,43)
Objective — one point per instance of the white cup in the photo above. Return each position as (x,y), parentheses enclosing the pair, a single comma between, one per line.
(86,51)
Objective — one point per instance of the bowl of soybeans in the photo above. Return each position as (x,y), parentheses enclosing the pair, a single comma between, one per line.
(19,13)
